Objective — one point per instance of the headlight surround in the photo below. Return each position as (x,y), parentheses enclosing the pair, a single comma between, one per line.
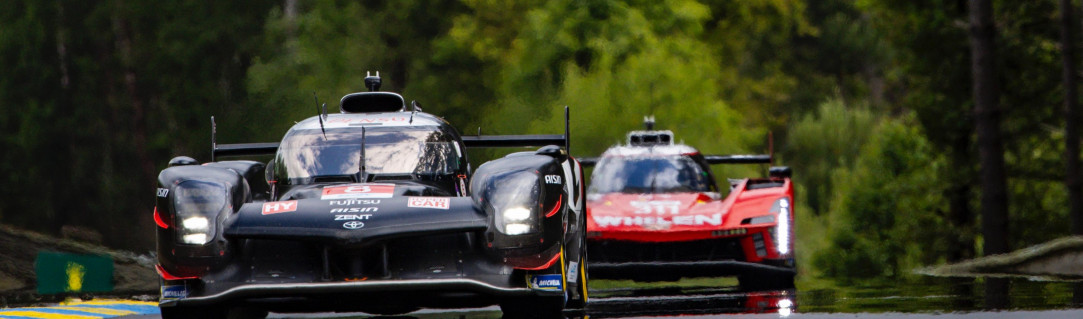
(197,205)
(515,201)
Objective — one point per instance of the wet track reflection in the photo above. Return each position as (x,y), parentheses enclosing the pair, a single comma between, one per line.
(625,302)
(676,301)
(936,297)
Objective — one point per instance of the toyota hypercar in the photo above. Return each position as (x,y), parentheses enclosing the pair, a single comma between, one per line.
(374,209)
(655,213)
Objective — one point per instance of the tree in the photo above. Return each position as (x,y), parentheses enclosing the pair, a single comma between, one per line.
(1071,129)
(994,197)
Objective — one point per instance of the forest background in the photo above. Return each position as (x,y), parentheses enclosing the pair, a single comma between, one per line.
(870,102)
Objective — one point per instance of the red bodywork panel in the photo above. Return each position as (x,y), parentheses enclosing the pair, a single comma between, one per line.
(673,217)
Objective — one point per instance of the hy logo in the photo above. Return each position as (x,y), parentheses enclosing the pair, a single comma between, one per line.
(547,282)
(270,208)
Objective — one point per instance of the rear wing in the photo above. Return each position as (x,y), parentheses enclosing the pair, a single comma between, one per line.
(716,159)
(738,159)
(711,159)
(522,140)
(241,149)
(254,149)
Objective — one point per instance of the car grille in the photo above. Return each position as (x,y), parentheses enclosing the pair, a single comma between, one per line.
(422,257)
(697,250)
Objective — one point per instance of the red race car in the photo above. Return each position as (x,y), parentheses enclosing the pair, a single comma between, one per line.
(655,213)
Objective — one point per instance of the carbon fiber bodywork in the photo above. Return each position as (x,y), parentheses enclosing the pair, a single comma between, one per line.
(298,238)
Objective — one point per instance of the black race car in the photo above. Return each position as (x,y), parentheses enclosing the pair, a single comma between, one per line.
(374,209)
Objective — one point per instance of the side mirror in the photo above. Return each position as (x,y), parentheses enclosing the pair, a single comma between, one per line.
(554,152)
(182,161)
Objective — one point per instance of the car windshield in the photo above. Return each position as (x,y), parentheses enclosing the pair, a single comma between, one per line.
(648,174)
(306,154)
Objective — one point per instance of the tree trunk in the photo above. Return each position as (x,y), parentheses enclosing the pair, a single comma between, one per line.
(138,128)
(1071,130)
(994,196)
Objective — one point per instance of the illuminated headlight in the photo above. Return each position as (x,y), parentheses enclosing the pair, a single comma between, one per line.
(516,221)
(783,240)
(197,204)
(515,200)
(195,223)
(516,214)
(516,229)
(194,239)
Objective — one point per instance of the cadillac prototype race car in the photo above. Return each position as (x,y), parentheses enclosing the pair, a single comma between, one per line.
(655,213)
(374,209)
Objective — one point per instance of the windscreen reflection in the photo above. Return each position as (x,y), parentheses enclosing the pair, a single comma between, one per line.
(305,154)
(648,174)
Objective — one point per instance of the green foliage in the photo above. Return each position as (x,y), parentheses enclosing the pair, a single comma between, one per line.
(887,211)
(99,95)
(819,145)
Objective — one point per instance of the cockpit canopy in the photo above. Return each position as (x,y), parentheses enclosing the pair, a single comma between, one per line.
(652,169)
(309,155)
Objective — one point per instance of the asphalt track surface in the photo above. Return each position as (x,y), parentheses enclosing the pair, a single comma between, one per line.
(617,303)
(704,305)
(493,312)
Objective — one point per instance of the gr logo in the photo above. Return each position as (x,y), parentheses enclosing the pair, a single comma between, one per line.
(552,179)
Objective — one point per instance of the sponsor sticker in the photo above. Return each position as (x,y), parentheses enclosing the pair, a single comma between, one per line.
(552,179)
(659,207)
(163,192)
(658,222)
(353,225)
(279,207)
(353,217)
(573,267)
(358,191)
(344,210)
(546,282)
(351,202)
(174,292)
(429,202)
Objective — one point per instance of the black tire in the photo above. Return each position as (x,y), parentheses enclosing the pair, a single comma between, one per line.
(577,292)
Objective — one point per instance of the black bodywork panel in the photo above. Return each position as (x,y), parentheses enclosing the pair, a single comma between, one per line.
(321,242)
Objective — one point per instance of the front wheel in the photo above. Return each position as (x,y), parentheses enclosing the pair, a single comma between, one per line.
(576,291)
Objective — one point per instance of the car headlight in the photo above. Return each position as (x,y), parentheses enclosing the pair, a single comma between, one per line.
(515,201)
(197,204)
(783,238)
